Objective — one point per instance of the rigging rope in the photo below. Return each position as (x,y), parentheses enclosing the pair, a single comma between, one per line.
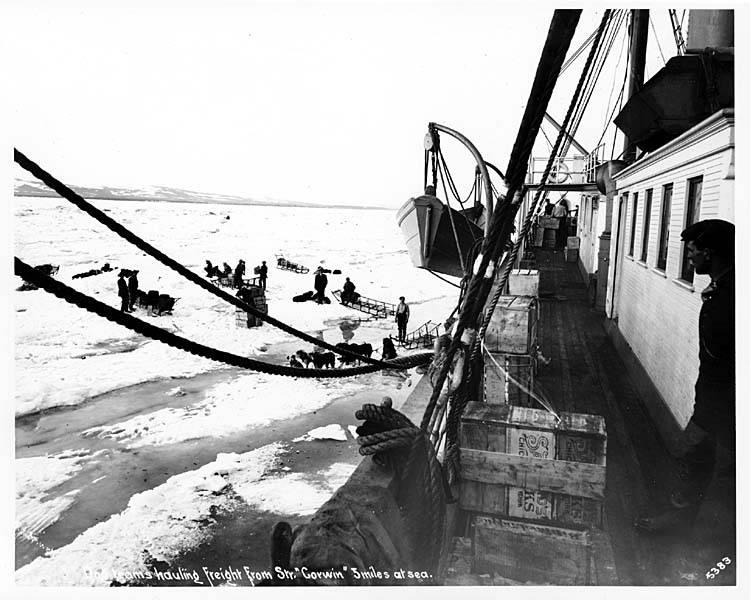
(145,328)
(507,262)
(609,119)
(659,47)
(562,27)
(444,279)
(453,225)
(141,244)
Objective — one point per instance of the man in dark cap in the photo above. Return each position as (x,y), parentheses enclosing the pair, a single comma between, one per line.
(263,273)
(132,288)
(239,273)
(122,292)
(320,283)
(710,433)
(402,317)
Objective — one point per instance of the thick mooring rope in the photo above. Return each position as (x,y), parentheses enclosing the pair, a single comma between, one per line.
(144,328)
(141,244)
(394,431)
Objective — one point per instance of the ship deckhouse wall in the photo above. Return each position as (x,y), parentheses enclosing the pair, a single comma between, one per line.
(590,225)
(656,311)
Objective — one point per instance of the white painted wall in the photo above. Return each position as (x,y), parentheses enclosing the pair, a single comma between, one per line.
(657,312)
(590,226)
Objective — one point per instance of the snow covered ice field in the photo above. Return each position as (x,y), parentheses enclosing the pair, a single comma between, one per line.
(96,404)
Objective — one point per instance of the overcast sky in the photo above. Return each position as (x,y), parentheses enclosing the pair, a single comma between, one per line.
(308,101)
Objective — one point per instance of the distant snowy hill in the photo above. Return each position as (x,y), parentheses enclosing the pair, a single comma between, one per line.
(160,193)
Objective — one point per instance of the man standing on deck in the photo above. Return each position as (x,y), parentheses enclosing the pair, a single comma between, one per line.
(560,212)
(263,272)
(122,292)
(709,437)
(402,317)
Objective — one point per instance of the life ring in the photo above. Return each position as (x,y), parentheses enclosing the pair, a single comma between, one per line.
(559,172)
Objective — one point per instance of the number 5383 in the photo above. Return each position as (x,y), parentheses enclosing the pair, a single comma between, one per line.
(718,567)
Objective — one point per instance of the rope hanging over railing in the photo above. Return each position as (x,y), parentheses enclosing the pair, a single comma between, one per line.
(144,328)
(141,244)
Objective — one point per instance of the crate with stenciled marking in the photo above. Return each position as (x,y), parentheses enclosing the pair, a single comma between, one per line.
(523,462)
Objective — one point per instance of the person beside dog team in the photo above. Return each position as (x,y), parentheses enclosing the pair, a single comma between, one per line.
(127,290)
(213,271)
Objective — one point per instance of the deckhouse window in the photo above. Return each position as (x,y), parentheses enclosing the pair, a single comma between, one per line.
(645,229)
(662,244)
(633,224)
(693,206)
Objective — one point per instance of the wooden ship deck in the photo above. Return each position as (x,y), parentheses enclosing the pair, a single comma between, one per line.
(588,374)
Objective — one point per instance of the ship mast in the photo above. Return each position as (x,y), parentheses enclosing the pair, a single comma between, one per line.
(639,30)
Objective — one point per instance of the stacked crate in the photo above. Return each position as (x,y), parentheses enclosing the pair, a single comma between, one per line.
(535,487)
(524,282)
(511,340)
(549,227)
(256,296)
(571,252)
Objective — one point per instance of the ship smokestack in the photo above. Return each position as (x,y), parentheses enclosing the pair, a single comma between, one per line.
(710,29)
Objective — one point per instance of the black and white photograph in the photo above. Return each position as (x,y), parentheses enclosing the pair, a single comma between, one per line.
(428,294)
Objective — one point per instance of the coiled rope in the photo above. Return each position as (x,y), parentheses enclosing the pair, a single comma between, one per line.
(386,430)
(135,324)
(141,244)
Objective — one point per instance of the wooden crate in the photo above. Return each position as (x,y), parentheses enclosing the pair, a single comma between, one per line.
(573,242)
(571,255)
(531,552)
(550,223)
(524,282)
(498,388)
(518,461)
(539,234)
(513,326)
(549,239)
(246,320)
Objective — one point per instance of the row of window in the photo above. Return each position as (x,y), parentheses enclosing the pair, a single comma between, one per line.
(693,203)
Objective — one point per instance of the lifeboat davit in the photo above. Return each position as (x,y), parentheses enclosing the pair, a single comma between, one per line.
(425,222)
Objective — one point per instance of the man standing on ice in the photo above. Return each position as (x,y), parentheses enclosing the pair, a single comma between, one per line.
(132,288)
(239,273)
(320,283)
(122,292)
(263,272)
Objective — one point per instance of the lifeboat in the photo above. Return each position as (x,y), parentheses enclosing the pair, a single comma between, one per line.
(425,222)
